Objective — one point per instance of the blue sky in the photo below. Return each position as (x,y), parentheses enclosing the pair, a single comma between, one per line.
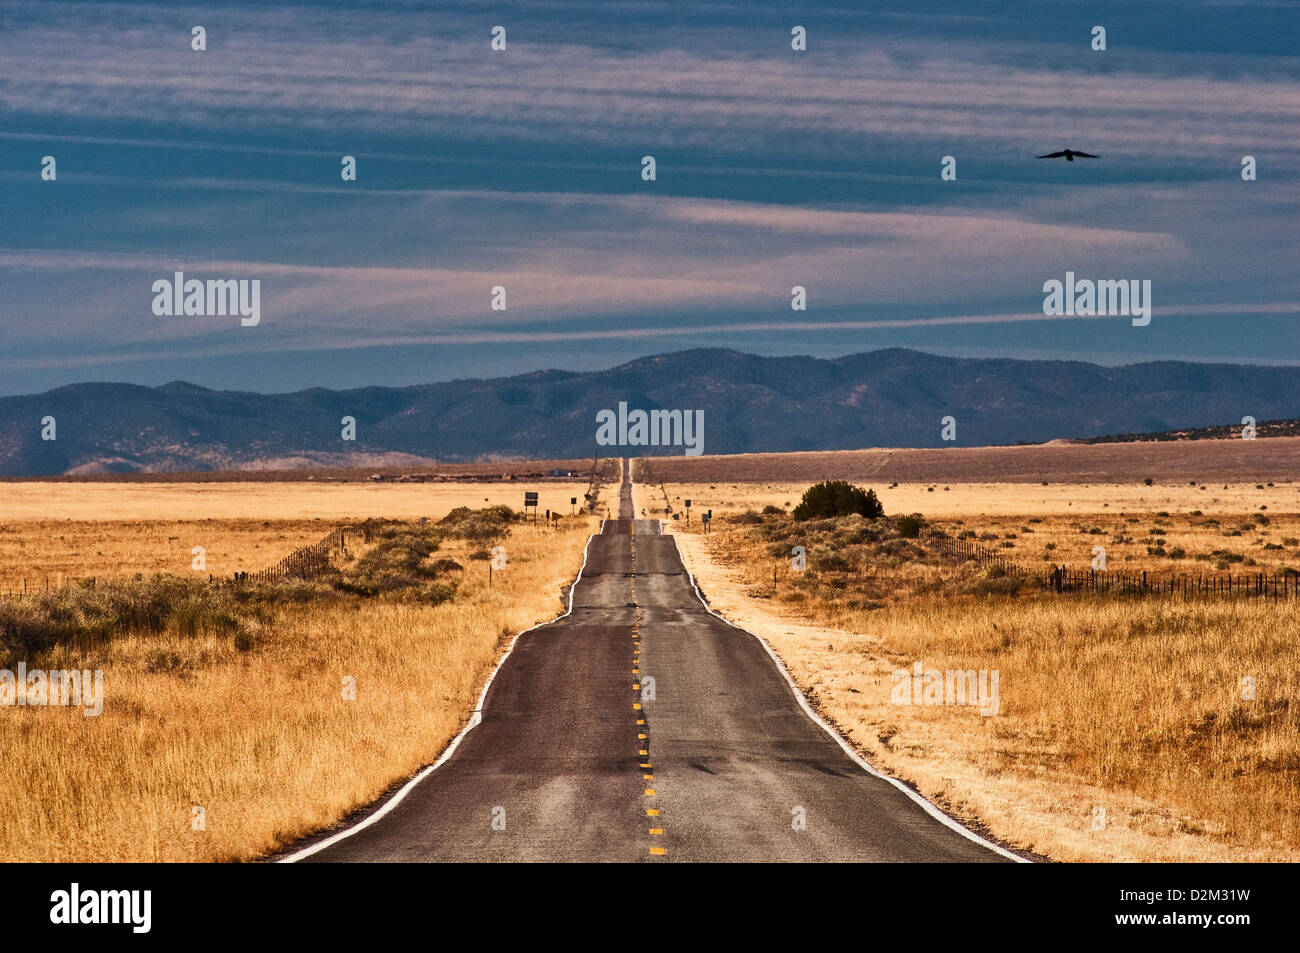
(522,168)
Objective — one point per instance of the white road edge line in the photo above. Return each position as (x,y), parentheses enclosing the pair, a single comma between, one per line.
(474,720)
(928,807)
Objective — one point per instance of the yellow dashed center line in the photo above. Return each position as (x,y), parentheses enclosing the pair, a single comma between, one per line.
(646,765)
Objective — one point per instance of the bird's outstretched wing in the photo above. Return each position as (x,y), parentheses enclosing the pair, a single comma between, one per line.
(1086,155)
(1052,155)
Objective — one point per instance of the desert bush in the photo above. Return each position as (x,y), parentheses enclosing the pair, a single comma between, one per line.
(87,613)
(832,562)
(398,565)
(435,594)
(995,581)
(909,527)
(483,526)
(838,498)
(860,536)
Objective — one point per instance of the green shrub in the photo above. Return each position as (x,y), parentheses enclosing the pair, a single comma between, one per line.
(909,527)
(832,498)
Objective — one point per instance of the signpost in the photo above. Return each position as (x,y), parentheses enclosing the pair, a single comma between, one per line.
(573,501)
(688,512)
(530,499)
(707,518)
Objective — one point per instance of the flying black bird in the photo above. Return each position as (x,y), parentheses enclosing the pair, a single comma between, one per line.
(1068,155)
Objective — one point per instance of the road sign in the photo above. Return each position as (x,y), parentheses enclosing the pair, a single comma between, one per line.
(530,499)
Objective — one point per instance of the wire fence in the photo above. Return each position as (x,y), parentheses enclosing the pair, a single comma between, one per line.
(307,561)
(1267,585)
(969,549)
(1274,585)
(20,588)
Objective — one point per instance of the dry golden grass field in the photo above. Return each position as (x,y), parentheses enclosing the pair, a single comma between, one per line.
(35,500)
(40,552)
(254,729)
(55,531)
(963,500)
(1171,462)
(1243,528)
(1129,706)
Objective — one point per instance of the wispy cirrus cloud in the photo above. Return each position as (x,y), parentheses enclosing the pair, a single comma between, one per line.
(364,74)
(674,255)
(522,169)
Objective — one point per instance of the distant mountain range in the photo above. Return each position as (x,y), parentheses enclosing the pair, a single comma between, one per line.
(886,398)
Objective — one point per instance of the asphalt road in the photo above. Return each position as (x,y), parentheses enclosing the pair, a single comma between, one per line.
(575,758)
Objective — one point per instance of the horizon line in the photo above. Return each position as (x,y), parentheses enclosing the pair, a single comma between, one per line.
(1201,361)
